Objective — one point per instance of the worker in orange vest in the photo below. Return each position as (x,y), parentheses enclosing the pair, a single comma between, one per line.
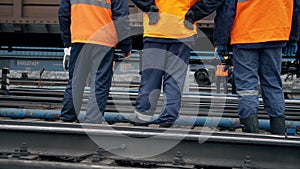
(91,29)
(259,31)
(169,33)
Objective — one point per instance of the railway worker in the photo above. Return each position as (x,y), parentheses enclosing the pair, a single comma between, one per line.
(169,32)
(92,29)
(259,31)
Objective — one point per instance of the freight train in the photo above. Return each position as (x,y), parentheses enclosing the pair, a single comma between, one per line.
(35,23)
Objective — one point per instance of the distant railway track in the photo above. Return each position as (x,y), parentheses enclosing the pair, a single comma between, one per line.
(49,59)
(290,92)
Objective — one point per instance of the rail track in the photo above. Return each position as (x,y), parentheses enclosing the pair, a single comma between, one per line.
(32,136)
(290,92)
(198,109)
(51,98)
(28,141)
(28,144)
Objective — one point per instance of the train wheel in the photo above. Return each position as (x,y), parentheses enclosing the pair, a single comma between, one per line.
(202,77)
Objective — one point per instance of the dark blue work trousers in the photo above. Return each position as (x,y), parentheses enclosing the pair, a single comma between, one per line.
(163,65)
(96,60)
(252,66)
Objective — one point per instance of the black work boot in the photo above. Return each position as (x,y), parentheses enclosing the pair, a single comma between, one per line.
(165,125)
(277,125)
(250,124)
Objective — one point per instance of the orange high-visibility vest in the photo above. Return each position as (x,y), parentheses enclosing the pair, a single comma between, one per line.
(91,22)
(262,21)
(170,24)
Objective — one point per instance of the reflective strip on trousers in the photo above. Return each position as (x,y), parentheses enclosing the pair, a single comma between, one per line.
(247,93)
(143,117)
(102,3)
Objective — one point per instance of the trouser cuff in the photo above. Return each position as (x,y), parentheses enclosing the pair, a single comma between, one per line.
(144,117)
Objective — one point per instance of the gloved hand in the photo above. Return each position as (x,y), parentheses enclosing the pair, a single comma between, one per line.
(290,49)
(220,52)
(153,15)
(189,20)
(67,53)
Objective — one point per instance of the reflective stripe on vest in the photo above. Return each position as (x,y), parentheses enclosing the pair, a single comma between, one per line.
(262,21)
(91,22)
(170,24)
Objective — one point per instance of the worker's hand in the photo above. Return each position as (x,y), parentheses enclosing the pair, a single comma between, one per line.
(189,20)
(290,49)
(221,52)
(153,15)
(126,55)
(66,60)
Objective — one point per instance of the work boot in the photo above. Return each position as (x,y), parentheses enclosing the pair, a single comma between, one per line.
(250,124)
(277,125)
(165,125)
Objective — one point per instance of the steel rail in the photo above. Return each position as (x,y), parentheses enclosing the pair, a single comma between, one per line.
(128,85)
(126,99)
(124,102)
(30,164)
(117,104)
(189,96)
(203,148)
(215,122)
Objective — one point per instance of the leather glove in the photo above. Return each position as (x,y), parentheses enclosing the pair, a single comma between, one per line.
(66,60)
(153,15)
(221,52)
(290,49)
(189,20)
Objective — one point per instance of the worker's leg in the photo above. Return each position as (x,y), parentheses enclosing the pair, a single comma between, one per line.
(73,93)
(153,63)
(246,64)
(101,75)
(271,87)
(173,81)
